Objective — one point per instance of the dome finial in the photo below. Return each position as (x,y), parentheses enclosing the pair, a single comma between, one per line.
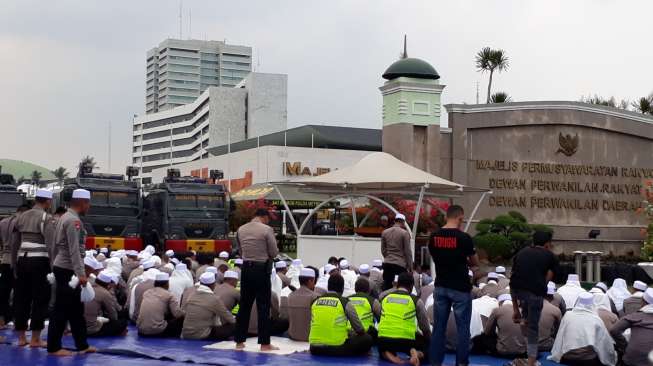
(405,55)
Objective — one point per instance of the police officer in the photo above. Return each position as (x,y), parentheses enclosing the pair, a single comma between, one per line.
(70,238)
(258,247)
(367,308)
(401,314)
(32,289)
(336,329)
(6,266)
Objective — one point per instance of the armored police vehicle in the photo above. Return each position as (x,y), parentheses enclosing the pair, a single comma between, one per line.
(113,220)
(10,197)
(186,214)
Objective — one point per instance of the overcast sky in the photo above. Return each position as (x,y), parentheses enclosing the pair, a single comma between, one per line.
(68,68)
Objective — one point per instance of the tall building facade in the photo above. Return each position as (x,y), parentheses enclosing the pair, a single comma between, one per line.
(219,116)
(178,71)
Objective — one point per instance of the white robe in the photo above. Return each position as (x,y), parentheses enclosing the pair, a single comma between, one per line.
(618,293)
(350,278)
(580,328)
(570,292)
(293,274)
(179,281)
(482,306)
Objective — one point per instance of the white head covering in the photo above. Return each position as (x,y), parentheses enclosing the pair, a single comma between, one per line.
(400,217)
(328,268)
(280,264)
(344,264)
(149,249)
(170,253)
(156,259)
(43,193)
(93,263)
(601,300)
(162,276)
(147,264)
(104,250)
(585,301)
(504,297)
(180,279)
(602,286)
(175,261)
(131,253)
(231,274)
(550,288)
(396,279)
(500,269)
(297,262)
(639,285)
(492,276)
(211,269)
(207,278)
(181,267)
(105,277)
(648,296)
(307,272)
(618,293)
(470,273)
(573,278)
(364,268)
(81,194)
(238,261)
(223,255)
(377,263)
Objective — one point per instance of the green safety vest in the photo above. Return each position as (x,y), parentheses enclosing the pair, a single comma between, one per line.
(398,316)
(363,306)
(329,323)
(234,311)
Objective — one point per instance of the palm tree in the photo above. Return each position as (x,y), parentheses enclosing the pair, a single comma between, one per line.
(500,97)
(90,162)
(60,173)
(644,105)
(36,177)
(490,60)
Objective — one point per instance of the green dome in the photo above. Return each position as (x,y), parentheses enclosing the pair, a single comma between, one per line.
(412,68)
(19,168)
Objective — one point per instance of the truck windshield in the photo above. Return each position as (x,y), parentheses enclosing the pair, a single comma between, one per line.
(195,201)
(111,203)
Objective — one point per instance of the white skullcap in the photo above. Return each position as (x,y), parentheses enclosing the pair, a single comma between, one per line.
(344,264)
(43,193)
(104,250)
(147,264)
(175,261)
(238,261)
(211,269)
(170,253)
(156,259)
(115,278)
(231,274)
(602,286)
(207,278)
(223,255)
(639,285)
(364,268)
(131,253)
(504,297)
(100,257)
(297,262)
(551,284)
(573,278)
(400,217)
(550,290)
(82,194)
(307,272)
(470,273)
(181,267)
(492,275)
(481,285)
(396,279)
(328,268)
(105,277)
(162,276)
(585,298)
(280,264)
(595,290)
(500,269)
(648,296)
(149,249)
(92,262)
(377,263)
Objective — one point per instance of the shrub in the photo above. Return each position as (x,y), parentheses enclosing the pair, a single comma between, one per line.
(496,246)
(513,228)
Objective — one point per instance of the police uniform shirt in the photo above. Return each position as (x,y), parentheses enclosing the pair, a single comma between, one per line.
(257,241)
(204,310)
(6,237)
(158,305)
(297,309)
(70,240)
(228,294)
(104,304)
(34,226)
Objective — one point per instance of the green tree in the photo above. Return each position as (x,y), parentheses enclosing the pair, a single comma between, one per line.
(60,173)
(505,235)
(89,161)
(491,60)
(36,177)
(500,97)
(599,100)
(644,105)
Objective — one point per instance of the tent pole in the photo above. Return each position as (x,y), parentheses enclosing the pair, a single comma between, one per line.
(478,204)
(285,205)
(353,212)
(418,208)
(367,216)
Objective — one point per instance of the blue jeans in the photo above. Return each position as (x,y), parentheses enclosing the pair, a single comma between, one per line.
(445,298)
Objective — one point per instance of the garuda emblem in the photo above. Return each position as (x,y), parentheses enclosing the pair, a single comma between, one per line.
(568,144)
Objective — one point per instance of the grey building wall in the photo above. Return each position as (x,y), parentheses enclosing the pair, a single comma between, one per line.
(267,103)
(227,115)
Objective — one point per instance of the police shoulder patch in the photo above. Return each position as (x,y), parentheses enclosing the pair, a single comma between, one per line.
(78,224)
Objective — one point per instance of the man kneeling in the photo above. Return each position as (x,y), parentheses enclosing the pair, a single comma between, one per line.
(331,315)
(206,315)
(160,315)
(400,314)
(102,313)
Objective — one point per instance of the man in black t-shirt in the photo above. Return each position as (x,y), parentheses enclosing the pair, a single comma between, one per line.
(532,269)
(453,253)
